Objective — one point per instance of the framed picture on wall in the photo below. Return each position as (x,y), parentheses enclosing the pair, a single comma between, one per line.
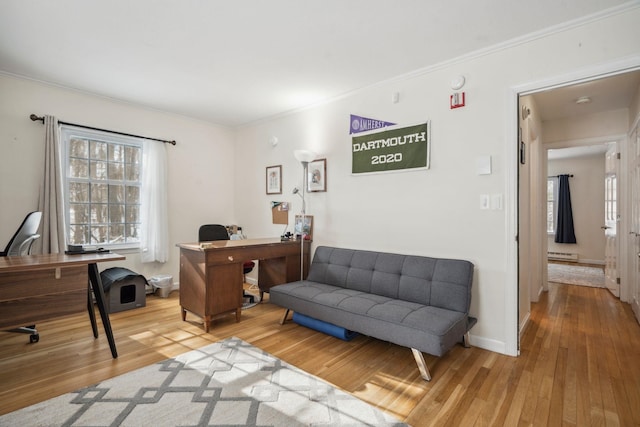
(317,175)
(274,179)
(304,226)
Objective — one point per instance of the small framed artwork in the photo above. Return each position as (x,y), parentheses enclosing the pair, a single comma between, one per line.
(317,175)
(304,227)
(274,179)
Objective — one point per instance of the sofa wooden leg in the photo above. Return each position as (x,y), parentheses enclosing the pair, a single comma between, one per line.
(284,318)
(422,365)
(465,340)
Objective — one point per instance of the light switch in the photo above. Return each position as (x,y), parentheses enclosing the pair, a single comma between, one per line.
(485,201)
(483,165)
(496,202)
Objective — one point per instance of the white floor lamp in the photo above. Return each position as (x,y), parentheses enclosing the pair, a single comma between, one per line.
(304,157)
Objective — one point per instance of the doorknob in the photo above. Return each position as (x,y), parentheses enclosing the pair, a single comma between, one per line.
(604,227)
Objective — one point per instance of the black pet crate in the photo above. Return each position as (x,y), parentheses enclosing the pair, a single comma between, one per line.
(124,289)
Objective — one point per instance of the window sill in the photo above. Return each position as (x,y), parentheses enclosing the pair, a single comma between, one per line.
(125,250)
(115,248)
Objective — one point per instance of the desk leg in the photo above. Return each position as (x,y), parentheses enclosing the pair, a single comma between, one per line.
(98,291)
(92,313)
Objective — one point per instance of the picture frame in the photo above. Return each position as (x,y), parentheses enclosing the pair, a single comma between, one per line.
(273,179)
(304,228)
(317,176)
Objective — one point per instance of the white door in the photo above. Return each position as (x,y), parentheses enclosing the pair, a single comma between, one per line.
(634,279)
(611,221)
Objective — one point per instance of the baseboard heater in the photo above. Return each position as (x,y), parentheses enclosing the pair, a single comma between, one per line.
(562,256)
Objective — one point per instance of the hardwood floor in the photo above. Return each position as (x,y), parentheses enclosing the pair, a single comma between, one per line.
(579,363)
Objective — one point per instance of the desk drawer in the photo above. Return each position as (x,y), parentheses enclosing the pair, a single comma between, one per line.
(28,297)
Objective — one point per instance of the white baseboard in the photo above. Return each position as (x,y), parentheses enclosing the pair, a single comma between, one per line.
(525,323)
(489,344)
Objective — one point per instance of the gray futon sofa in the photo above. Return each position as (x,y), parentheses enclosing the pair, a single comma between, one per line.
(413,301)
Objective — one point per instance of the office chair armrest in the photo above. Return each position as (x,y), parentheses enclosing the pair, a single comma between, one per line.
(27,244)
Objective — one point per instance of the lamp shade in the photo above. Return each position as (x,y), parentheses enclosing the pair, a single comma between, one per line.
(304,156)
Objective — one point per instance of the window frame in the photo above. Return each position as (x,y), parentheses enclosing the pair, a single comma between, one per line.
(67,133)
(610,197)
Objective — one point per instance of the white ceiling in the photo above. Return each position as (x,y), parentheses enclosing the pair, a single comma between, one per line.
(235,62)
(605,94)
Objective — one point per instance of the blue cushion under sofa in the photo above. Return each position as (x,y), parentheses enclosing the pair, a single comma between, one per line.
(413,301)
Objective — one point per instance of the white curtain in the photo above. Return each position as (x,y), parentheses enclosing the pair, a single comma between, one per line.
(51,200)
(154,236)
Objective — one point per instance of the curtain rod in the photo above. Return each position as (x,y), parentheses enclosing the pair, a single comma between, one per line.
(41,119)
(556,176)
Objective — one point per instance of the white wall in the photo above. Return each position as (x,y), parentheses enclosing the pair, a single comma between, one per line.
(587,202)
(588,183)
(201,165)
(434,212)
(588,126)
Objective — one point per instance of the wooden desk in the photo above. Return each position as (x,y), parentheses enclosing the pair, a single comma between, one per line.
(211,277)
(36,288)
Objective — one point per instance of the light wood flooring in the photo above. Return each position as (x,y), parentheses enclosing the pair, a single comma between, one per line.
(579,363)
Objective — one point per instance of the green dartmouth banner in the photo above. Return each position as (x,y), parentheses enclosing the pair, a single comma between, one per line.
(391,150)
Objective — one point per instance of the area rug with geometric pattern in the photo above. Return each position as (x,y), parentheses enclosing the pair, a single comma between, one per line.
(576,275)
(228,383)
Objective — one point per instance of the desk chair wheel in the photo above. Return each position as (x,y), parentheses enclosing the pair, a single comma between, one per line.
(34,336)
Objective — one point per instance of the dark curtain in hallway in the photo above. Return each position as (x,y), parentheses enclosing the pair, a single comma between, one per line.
(564,228)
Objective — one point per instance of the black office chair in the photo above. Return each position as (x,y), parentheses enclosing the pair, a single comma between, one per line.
(211,232)
(20,244)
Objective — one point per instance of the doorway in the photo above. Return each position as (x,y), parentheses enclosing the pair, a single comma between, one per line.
(556,118)
(593,190)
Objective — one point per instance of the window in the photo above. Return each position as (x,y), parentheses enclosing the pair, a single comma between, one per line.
(552,192)
(610,202)
(103,181)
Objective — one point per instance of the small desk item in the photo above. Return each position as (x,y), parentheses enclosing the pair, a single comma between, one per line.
(35,288)
(211,272)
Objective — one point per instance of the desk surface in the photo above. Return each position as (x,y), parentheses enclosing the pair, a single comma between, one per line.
(38,262)
(220,244)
